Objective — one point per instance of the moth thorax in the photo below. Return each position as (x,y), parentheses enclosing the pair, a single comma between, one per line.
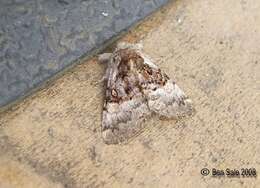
(131,64)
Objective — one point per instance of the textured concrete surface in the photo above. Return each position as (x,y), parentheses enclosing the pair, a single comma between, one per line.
(14,174)
(40,38)
(211,49)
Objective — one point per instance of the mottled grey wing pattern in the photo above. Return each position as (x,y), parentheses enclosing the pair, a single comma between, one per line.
(136,88)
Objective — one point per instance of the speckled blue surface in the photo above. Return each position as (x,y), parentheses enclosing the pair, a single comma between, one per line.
(40,38)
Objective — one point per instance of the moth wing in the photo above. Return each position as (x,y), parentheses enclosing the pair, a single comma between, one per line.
(164,97)
(122,121)
(169,101)
(122,114)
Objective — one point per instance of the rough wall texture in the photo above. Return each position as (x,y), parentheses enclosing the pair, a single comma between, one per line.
(211,49)
(40,38)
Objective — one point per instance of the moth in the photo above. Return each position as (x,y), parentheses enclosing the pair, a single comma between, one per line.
(136,89)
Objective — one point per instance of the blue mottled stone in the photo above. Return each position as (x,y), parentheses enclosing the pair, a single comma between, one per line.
(40,38)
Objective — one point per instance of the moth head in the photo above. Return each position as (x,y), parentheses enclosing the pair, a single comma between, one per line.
(129,60)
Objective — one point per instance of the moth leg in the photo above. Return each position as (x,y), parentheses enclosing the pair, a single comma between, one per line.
(104,58)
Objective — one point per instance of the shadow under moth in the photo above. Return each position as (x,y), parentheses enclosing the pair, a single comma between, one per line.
(136,89)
